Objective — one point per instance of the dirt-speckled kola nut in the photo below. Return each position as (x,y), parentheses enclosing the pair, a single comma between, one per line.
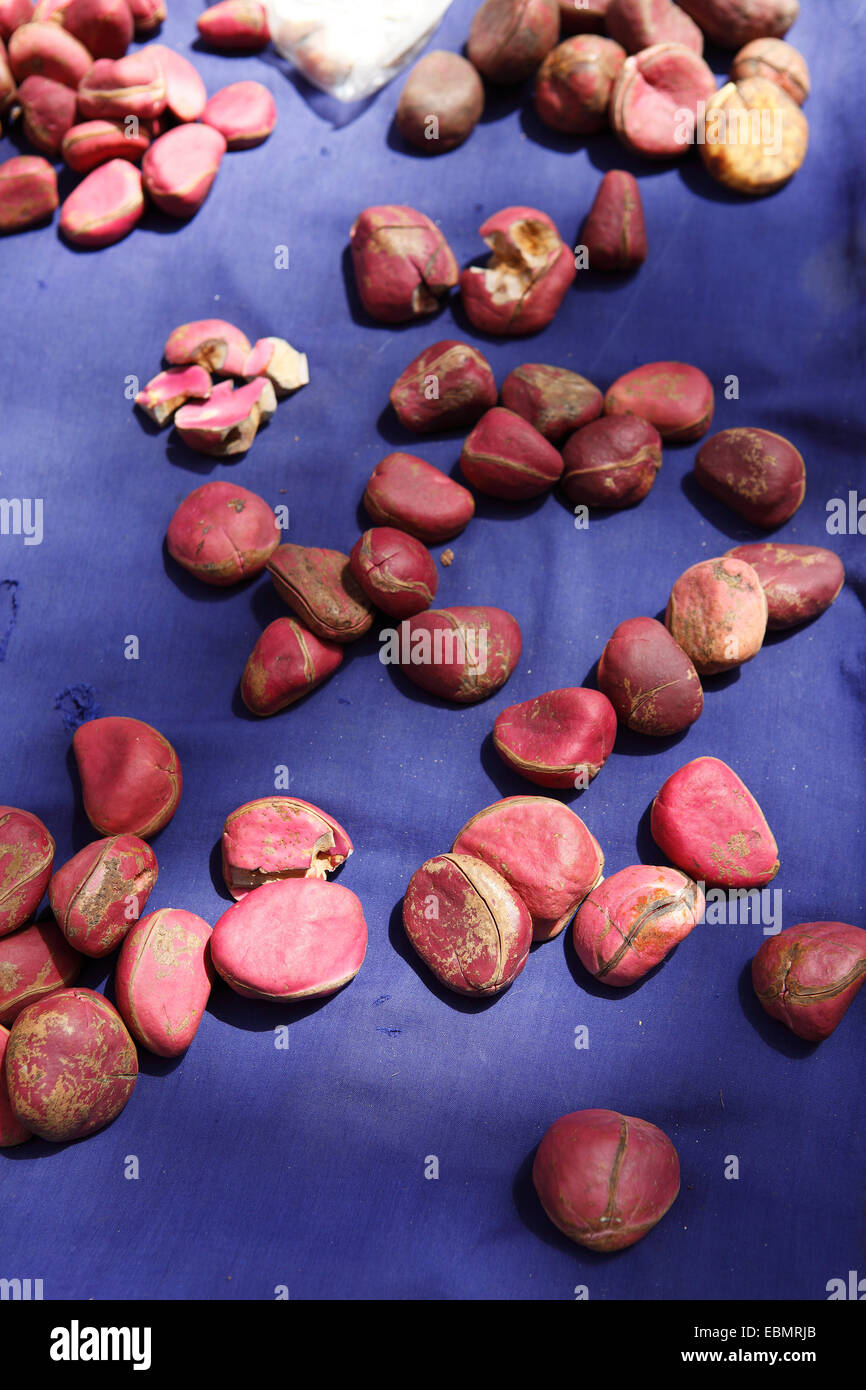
(212,343)
(526,278)
(614,232)
(707,822)
(28,192)
(447,386)
(543,850)
(48,51)
(778,62)
(807,976)
(649,680)
(656,98)
(236,26)
(717,612)
(573,85)
(222,533)
(638,24)
(179,168)
(755,137)
(403,265)
(34,961)
(185,94)
(509,38)
(605,1179)
(459,653)
(319,585)
(562,738)
(12,1132)
(505,456)
(26,858)
(441,102)
(280,837)
(800,581)
(731,23)
(168,391)
(554,400)
(163,979)
(130,776)
(13,13)
(676,398)
(754,472)
(286,663)
(611,462)
(228,421)
(467,924)
(396,571)
(91,143)
(245,113)
(100,893)
(105,206)
(105,27)
(630,922)
(407,492)
(49,112)
(71,1066)
(131,86)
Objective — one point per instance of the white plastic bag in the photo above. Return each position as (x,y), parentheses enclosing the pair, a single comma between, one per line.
(351,48)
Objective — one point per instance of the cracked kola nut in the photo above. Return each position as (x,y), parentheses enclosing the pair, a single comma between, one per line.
(185,94)
(776,136)
(707,822)
(754,472)
(163,980)
(28,192)
(554,400)
(800,581)
(279,837)
(147,16)
(245,113)
(105,206)
(287,662)
(611,462)
(227,423)
(407,492)
(509,38)
(676,398)
(562,738)
(285,368)
(447,386)
(638,24)
(236,26)
(212,343)
(717,612)
(776,61)
(14,13)
(656,98)
(180,166)
(98,895)
(91,143)
(12,1132)
(130,86)
(605,1179)
(402,263)
(26,857)
(462,654)
(296,938)
(632,920)
(222,534)
(807,976)
(396,571)
(49,112)
(441,102)
(34,961)
(105,27)
(732,23)
(526,277)
(614,232)
(583,16)
(319,585)
(130,776)
(543,850)
(573,85)
(467,924)
(649,680)
(505,456)
(168,391)
(46,50)
(71,1065)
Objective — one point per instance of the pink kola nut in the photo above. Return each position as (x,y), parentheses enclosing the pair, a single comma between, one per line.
(49,112)
(632,920)
(34,961)
(638,24)
(526,278)
(99,894)
(228,421)
(543,850)
(91,143)
(286,663)
(49,9)
(280,837)
(560,739)
(147,16)
(807,976)
(245,113)
(105,27)
(731,23)
(131,86)
(407,492)
(800,581)
(654,103)
(13,13)
(554,400)
(509,38)
(168,391)
(28,192)
(460,654)
(299,938)
(605,1179)
(649,680)
(756,473)
(467,924)
(71,1065)
(396,571)
(614,232)
(505,456)
(321,588)
(676,398)
(611,462)
(105,206)
(26,857)
(573,84)
(583,16)
(447,386)
(238,26)
(222,534)
(212,343)
(179,167)
(185,94)
(285,368)
(12,1132)
(48,51)
(130,776)
(707,822)
(717,613)
(163,980)
(403,265)
(777,62)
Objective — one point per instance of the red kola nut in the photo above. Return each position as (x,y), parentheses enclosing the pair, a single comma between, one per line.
(131,86)
(509,38)
(403,265)
(286,663)
(467,924)
(222,534)
(71,1066)
(807,976)
(753,137)
(299,938)
(13,13)
(91,143)
(459,654)
(717,612)
(168,391)
(185,94)
(34,961)
(130,776)
(676,398)
(655,101)
(28,192)
(776,61)
(12,1132)
(229,420)
(731,23)
(105,27)
(543,850)
(446,387)
(649,680)
(7,81)
(612,462)
(100,893)
(800,581)
(583,16)
(560,739)
(707,822)
(605,1179)
(212,343)
(638,24)
(280,837)
(237,26)
(163,980)
(573,84)
(180,167)
(554,400)
(49,112)
(26,857)
(630,922)
(614,232)
(505,456)
(441,103)
(319,585)
(407,492)
(526,278)
(756,473)
(245,113)
(105,206)
(396,571)
(46,50)
(147,16)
